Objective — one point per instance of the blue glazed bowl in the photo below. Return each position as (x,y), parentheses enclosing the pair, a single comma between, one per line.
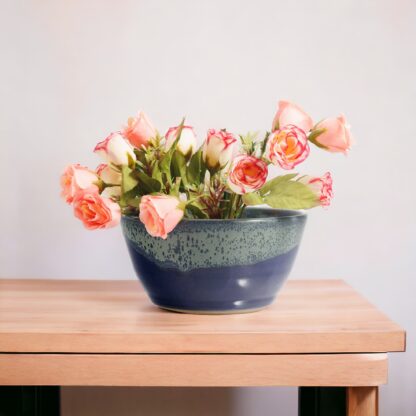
(217,266)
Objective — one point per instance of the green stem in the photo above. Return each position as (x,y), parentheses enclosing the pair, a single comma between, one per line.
(239,206)
(264,144)
(231,206)
(236,205)
(243,207)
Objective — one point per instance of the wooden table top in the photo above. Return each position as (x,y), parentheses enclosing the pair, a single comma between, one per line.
(78,316)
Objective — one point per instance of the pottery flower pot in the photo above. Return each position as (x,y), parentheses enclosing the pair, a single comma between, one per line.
(217,266)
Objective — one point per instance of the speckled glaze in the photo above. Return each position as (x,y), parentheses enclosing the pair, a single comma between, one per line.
(217,266)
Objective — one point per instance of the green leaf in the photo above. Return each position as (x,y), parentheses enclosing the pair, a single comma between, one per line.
(144,185)
(196,211)
(131,161)
(147,184)
(283,192)
(291,195)
(134,202)
(196,169)
(179,167)
(127,197)
(140,155)
(275,182)
(156,173)
(128,181)
(164,167)
(166,161)
(253,198)
(176,187)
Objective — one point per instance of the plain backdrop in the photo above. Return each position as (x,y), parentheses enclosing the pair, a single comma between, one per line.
(71,72)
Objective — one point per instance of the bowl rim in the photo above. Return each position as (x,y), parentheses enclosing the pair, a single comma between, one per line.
(291,213)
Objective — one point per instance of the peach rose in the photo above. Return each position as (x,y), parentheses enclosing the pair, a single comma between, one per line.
(288,113)
(74,178)
(287,147)
(94,210)
(187,142)
(160,214)
(139,130)
(218,149)
(322,187)
(247,174)
(336,136)
(116,150)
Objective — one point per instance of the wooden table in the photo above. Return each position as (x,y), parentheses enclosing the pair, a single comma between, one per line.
(320,335)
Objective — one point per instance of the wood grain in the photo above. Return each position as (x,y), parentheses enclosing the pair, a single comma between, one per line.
(193,370)
(362,401)
(322,316)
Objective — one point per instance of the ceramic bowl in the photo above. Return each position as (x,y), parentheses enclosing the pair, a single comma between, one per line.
(217,266)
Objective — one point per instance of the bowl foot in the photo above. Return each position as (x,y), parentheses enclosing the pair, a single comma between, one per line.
(202,312)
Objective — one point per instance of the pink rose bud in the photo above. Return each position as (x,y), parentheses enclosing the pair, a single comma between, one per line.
(112,192)
(94,210)
(247,174)
(287,147)
(75,178)
(160,214)
(288,113)
(116,150)
(335,136)
(218,149)
(322,187)
(139,130)
(186,144)
(108,174)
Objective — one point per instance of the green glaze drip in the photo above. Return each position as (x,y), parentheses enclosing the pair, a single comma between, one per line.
(199,244)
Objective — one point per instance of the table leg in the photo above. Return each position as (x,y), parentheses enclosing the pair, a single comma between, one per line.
(362,401)
(322,401)
(29,401)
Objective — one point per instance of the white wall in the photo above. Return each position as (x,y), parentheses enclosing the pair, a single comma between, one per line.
(73,71)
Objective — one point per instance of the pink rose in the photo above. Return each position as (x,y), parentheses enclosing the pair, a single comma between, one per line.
(75,178)
(116,150)
(218,149)
(288,113)
(187,142)
(160,214)
(322,187)
(139,130)
(336,136)
(247,174)
(287,147)
(94,210)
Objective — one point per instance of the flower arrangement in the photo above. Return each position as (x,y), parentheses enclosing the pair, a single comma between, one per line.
(163,179)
